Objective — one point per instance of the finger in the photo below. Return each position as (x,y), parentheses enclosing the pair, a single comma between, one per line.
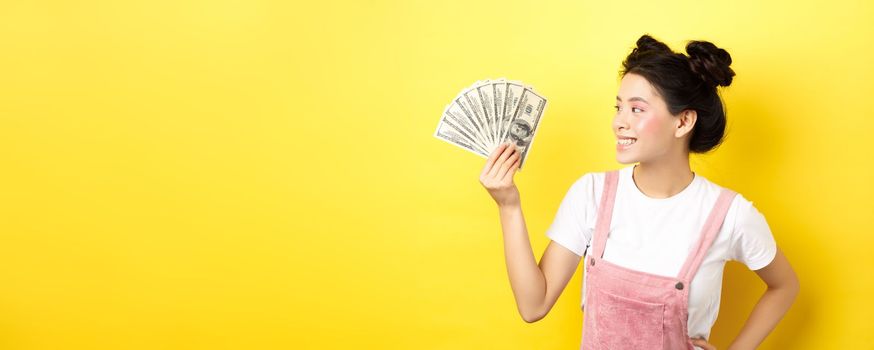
(506,166)
(703,344)
(496,166)
(501,160)
(491,161)
(513,168)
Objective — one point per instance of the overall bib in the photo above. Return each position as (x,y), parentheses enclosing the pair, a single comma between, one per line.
(628,309)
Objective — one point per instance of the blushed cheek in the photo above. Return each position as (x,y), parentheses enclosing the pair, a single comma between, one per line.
(648,127)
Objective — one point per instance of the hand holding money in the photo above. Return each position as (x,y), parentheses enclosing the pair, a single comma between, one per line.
(497,175)
(488,114)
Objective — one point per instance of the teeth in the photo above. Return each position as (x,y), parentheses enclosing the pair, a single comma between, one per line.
(626,141)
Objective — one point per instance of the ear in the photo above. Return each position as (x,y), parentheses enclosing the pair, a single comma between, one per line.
(685,122)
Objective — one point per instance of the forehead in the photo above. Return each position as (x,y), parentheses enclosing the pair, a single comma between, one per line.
(634,85)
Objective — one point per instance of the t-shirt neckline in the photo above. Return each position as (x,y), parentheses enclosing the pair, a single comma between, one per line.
(629,170)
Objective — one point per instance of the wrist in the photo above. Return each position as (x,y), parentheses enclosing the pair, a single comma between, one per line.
(509,207)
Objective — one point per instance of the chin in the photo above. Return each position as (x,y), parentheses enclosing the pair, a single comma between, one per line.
(624,159)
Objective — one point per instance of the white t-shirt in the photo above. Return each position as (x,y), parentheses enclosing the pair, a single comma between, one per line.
(655,235)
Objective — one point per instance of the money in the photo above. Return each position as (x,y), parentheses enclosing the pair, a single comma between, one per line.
(492,112)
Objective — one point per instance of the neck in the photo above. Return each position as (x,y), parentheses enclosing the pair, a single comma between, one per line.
(662,179)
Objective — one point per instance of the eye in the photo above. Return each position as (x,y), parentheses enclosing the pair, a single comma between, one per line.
(632,109)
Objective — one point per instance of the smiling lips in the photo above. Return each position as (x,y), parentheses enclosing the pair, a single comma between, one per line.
(624,143)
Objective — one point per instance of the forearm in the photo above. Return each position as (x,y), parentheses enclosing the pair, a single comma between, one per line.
(769,310)
(526,278)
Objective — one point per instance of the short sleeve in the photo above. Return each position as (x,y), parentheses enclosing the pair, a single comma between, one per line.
(752,242)
(569,227)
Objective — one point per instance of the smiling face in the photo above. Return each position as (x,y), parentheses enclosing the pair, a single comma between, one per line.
(642,114)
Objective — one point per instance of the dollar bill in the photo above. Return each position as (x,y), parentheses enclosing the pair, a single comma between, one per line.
(472,103)
(490,112)
(445,131)
(500,88)
(514,92)
(522,128)
(455,118)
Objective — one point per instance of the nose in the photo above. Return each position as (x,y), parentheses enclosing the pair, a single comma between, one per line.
(619,122)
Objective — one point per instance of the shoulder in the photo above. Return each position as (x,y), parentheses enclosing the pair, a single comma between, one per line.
(742,212)
(589,185)
(583,184)
(752,241)
(585,191)
(739,204)
(747,216)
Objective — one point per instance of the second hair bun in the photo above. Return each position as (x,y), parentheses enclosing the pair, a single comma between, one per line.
(710,63)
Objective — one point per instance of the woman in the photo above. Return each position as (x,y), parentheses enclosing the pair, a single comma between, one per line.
(655,235)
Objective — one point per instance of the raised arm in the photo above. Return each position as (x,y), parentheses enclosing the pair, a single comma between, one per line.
(535,287)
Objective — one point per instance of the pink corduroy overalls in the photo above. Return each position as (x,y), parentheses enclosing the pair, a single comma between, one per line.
(628,309)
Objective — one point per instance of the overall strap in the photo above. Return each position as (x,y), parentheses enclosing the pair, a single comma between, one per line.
(708,235)
(605,213)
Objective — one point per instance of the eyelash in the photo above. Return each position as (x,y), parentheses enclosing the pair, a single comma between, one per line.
(633,108)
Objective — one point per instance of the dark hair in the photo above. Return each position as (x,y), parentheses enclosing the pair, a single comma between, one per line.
(686,82)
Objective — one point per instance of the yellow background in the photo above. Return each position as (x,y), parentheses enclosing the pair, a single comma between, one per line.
(263,175)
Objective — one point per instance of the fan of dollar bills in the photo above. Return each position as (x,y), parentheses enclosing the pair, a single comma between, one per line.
(489,113)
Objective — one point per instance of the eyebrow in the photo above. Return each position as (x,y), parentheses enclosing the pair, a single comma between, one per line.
(634,99)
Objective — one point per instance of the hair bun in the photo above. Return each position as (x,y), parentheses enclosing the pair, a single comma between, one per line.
(710,63)
(646,46)
(648,43)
